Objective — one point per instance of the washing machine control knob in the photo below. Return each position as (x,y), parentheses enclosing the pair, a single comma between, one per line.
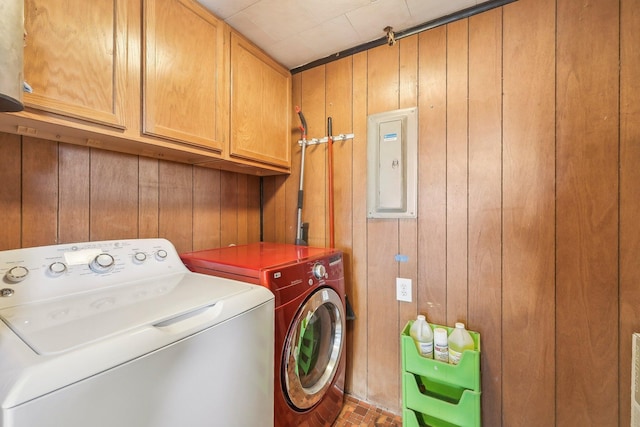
(161,255)
(319,271)
(102,263)
(57,269)
(139,257)
(17,274)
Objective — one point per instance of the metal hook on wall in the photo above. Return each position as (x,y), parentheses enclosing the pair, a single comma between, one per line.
(391,37)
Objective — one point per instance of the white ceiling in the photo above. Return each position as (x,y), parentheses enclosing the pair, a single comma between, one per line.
(296,32)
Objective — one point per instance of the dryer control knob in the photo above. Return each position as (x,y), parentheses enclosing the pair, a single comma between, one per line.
(17,274)
(102,263)
(319,271)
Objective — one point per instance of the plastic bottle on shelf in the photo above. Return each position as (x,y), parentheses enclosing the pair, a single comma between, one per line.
(440,346)
(459,341)
(423,336)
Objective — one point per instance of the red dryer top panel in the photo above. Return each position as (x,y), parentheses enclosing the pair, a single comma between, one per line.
(248,262)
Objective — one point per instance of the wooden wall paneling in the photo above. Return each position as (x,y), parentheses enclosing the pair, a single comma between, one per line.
(408,83)
(148,197)
(39,192)
(431,286)
(206,208)
(485,202)
(457,169)
(339,106)
(629,195)
(383,372)
(175,204)
(528,289)
(279,207)
(383,364)
(10,191)
(252,209)
(228,208)
(284,210)
(249,209)
(315,166)
(243,205)
(113,196)
(408,228)
(73,194)
(357,343)
(587,213)
(269,205)
(384,79)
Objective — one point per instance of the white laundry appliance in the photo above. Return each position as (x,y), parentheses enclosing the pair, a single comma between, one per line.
(120,333)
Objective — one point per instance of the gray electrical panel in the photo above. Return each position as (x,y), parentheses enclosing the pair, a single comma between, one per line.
(392,164)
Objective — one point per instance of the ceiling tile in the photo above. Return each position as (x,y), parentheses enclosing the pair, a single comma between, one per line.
(226,8)
(325,10)
(291,52)
(280,18)
(241,23)
(330,37)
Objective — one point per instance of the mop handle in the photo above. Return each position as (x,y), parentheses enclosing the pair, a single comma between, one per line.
(303,128)
(330,167)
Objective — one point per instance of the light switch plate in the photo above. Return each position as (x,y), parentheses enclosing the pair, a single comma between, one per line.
(403,289)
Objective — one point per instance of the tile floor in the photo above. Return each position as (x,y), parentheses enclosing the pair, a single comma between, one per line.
(356,413)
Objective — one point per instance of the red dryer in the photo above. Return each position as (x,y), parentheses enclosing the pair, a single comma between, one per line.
(310,330)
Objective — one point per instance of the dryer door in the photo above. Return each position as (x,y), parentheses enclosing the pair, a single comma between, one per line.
(313,346)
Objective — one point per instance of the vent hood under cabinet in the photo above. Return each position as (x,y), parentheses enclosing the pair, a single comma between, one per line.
(11,54)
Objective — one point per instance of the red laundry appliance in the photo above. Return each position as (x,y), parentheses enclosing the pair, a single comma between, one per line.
(310,330)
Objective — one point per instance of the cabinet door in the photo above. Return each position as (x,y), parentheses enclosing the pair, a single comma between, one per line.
(185,94)
(75,58)
(260,106)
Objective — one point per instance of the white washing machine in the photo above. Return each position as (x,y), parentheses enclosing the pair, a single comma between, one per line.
(120,333)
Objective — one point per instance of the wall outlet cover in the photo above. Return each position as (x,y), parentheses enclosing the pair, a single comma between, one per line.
(403,289)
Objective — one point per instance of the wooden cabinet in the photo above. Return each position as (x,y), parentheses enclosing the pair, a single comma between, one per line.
(185,89)
(75,59)
(153,78)
(260,106)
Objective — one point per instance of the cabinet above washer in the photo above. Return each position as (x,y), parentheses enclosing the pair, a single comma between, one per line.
(126,76)
(185,92)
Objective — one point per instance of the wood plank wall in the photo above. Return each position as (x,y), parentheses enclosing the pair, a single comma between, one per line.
(58,193)
(529,199)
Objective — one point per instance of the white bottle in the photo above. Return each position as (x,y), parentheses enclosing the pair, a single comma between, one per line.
(440,345)
(423,336)
(459,341)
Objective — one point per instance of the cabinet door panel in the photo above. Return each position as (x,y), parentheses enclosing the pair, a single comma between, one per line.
(184,76)
(260,104)
(75,58)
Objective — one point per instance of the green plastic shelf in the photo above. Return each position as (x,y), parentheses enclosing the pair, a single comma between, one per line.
(466,374)
(438,394)
(442,404)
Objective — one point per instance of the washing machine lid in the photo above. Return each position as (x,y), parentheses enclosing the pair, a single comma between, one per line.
(59,325)
(250,260)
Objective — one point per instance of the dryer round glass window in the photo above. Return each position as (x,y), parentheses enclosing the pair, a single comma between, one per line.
(313,347)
